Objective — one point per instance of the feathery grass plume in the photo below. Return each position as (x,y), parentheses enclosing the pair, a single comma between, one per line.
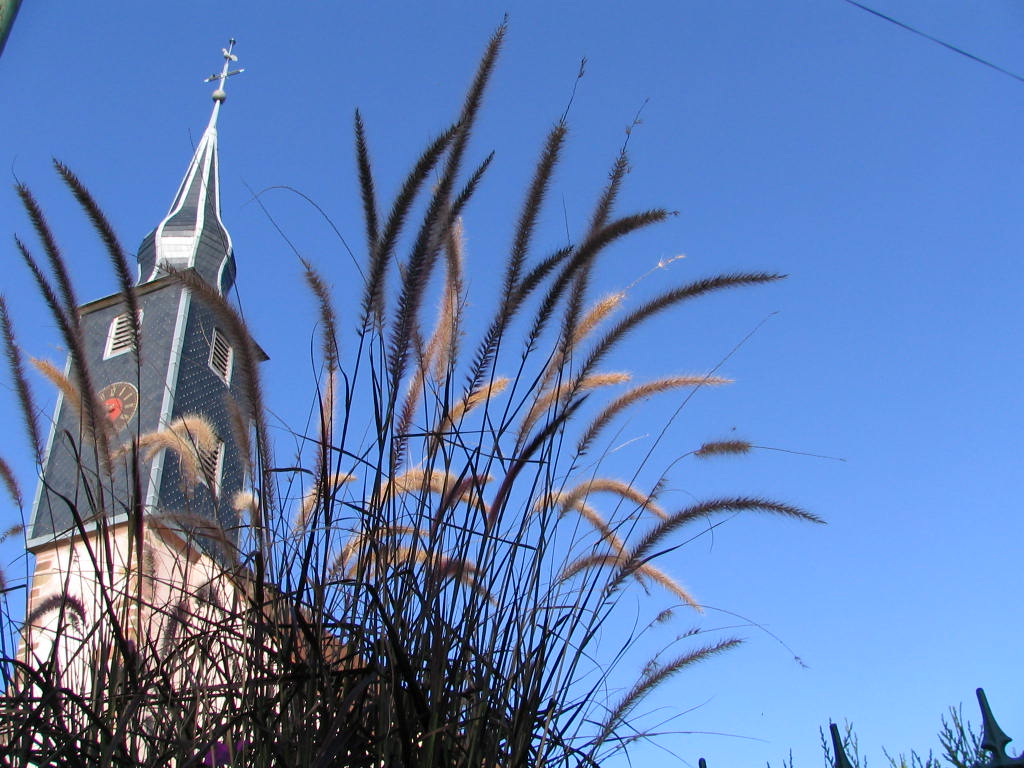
(68,606)
(380,256)
(598,312)
(183,448)
(580,278)
(53,254)
(114,249)
(53,304)
(594,517)
(189,437)
(442,349)
(196,430)
(366,186)
(475,399)
(722,448)
(240,434)
(91,415)
(616,560)
(178,617)
(580,257)
(465,194)
(669,299)
(327,316)
(654,678)
(433,481)
(563,392)
(413,395)
(515,290)
(15,530)
(532,206)
(643,549)
(11,483)
(243,501)
(245,349)
(611,485)
(317,493)
(436,221)
(56,377)
(588,562)
(471,105)
(636,395)
(673,586)
(148,572)
(606,203)
(67,319)
(17,367)
(360,542)
(575,330)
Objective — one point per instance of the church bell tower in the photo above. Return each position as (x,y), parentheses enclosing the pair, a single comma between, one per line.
(174,410)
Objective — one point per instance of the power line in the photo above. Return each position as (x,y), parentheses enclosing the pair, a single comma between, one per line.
(926,36)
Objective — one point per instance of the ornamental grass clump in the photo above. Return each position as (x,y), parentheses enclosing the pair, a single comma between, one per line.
(424,582)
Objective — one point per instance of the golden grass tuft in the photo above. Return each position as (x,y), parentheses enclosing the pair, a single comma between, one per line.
(567,501)
(188,460)
(433,481)
(187,437)
(443,345)
(197,430)
(56,377)
(638,394)
(319,492)
(246,503)
(660,577)
(723,448)
(11,483)
(610,485)
(359,542)
(474,399)
(563,391)
(598,312)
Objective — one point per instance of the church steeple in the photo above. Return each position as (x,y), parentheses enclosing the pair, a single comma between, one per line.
(192,234)
(180,408)
(146,509)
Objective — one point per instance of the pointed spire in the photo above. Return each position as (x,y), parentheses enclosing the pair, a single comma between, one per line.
(993,738)
(838,750)
(192,234)
(220,94)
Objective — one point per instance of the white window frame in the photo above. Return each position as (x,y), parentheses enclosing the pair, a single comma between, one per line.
(224,374)
(119,338)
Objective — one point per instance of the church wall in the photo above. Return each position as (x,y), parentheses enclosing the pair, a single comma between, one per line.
(200,390)
(72,461)
(169,597)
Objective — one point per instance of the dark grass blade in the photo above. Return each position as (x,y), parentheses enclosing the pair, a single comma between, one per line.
(381,255)
(17,367)
(114,250)
(665,301)
(366,185)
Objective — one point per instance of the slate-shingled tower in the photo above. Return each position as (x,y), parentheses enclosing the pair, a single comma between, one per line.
(187,366)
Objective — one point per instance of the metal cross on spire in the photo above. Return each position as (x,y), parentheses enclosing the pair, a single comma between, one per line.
(221,77)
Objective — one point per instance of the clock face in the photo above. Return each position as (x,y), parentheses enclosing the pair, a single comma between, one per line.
(121,401)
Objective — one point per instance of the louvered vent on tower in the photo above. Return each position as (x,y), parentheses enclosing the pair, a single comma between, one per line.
(211,463)
(221,356)
(119,337)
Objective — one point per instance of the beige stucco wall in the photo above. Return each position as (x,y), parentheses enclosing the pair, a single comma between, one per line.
(151,593)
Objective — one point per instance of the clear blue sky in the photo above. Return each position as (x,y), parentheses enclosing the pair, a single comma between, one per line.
(880,171)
